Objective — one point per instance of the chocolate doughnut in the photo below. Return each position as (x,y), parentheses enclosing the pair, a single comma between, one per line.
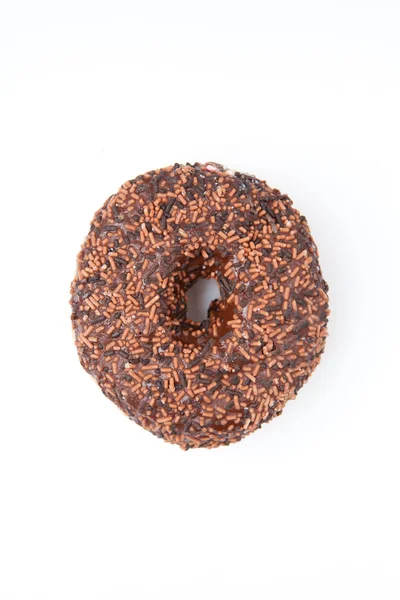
(209,383)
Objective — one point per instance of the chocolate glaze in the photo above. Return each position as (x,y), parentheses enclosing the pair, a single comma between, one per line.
(210,383)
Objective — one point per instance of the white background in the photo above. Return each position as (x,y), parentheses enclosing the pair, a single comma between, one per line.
(303,94)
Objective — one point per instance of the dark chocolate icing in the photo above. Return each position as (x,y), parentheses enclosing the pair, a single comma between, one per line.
(210,383)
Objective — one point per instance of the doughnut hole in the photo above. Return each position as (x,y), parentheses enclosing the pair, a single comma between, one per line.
(196,282)
(199,298)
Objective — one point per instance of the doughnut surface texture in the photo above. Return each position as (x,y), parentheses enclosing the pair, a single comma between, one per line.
(210,383)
